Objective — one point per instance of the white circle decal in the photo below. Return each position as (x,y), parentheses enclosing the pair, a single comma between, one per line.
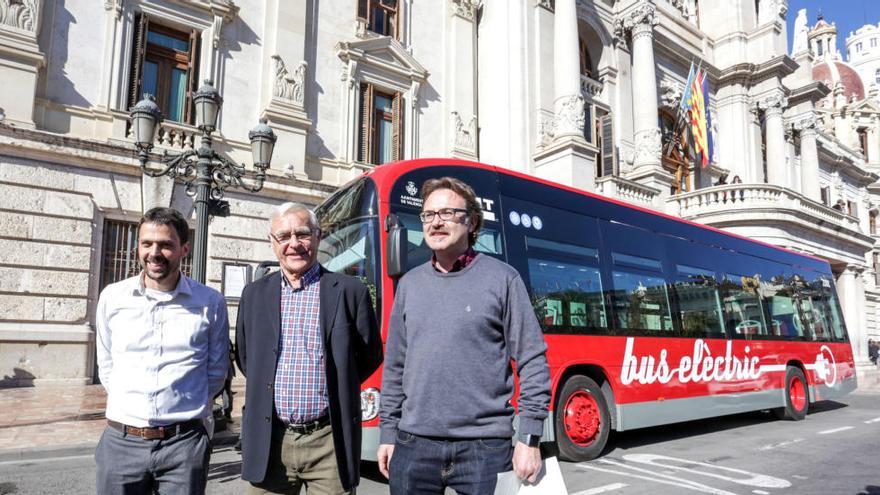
(514,218)
(526,220)
(537,223)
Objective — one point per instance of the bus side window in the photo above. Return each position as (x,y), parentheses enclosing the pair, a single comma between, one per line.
(699,303)
(639,294)
(743,313)
(824,310)
(790,315)
(566,287)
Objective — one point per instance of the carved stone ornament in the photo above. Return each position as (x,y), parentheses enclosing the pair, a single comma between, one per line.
(670,93)
(647,144)
(115,5)
(804,124)
(466,9)
(289,86)
(569,116)
(643,17)
(465,135)
(547,4)
(20,14)
(773,102)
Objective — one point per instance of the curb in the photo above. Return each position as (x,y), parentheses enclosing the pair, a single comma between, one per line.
(222,439)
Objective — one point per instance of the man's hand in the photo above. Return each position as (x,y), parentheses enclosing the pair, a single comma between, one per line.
(526,462)
(384,457)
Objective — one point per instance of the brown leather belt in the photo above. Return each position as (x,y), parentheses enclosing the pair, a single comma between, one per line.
(156,432)
(310,427)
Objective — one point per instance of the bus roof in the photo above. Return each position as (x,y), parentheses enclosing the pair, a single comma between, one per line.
(392,171)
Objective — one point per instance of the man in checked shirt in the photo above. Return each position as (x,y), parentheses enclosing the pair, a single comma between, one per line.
(305,339)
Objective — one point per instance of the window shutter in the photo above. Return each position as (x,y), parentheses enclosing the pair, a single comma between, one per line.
(366,127)
(608,161)
(363,7)
(397,127)
(192,76)
(141,25)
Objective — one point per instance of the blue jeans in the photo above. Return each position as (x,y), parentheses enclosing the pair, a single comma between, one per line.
(427,465)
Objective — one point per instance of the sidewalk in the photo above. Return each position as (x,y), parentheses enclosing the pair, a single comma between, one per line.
(58,421)
(53,421)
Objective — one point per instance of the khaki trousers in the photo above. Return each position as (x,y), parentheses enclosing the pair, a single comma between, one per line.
(301,460)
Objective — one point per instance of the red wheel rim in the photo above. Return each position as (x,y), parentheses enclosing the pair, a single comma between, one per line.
(798,393)
(582,420)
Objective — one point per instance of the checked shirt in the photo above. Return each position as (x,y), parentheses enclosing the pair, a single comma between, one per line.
(300,383)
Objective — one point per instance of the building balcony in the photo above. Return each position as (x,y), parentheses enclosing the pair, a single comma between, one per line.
(775,215)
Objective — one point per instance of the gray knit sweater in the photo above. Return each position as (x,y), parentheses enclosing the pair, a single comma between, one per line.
(447,360)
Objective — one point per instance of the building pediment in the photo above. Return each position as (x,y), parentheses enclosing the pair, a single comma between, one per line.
(385,53)
(866,106)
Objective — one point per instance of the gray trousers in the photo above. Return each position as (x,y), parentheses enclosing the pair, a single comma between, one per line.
(131,465)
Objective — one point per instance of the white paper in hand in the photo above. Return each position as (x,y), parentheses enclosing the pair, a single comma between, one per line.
(550,482)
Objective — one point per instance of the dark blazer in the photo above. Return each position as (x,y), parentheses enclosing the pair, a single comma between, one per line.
(352,352)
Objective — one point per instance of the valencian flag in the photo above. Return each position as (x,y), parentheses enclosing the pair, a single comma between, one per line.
(697,110)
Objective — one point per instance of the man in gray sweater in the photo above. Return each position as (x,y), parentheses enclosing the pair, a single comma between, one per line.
(445,416)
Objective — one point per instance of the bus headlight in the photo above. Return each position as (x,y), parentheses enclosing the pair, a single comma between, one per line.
(369,404)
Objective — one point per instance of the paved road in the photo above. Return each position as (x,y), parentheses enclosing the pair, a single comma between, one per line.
(834,451)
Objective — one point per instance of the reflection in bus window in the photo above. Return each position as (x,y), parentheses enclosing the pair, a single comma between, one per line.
(699,303)
(566,295)
(783,301)
(349,250)
(742,306)
(418,252)
(641,302)
(824,315)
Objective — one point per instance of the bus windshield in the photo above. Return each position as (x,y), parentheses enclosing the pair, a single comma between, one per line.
(349,229)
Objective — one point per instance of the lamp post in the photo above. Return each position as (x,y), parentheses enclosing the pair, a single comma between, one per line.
(206,174)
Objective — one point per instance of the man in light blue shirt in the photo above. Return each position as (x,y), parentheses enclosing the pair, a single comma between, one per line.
(162,351)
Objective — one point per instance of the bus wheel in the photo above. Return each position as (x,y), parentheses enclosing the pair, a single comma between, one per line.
(797,397)
(582,420)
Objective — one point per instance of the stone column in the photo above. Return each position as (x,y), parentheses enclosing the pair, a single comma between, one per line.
(772,104)
(461,68)
(640,23)
(809,157)
(851,291)
(20,60)
(284,96)
(568,103)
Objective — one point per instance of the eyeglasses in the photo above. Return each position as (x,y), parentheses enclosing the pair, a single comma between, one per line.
(303,237)
(427,216)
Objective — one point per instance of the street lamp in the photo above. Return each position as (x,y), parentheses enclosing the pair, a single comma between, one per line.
(205,173)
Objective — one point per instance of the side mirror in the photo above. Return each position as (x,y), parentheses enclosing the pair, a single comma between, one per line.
(396,245)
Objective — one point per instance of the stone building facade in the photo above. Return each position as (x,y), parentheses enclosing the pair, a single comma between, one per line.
(578,91)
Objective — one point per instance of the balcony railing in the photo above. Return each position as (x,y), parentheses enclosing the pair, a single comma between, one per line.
(171,135)
(590,88)
(741,197)
(616,187)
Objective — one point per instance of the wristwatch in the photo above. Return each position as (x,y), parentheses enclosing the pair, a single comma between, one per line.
(530,440)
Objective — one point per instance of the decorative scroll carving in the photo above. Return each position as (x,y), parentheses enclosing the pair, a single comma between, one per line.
(20,14)
(639,20)
(465,135)
(466,9)
(648,147)
(547,4)
(773,102)
(807,124)
(569,115)
(590,87)
(289,86)
(670,93)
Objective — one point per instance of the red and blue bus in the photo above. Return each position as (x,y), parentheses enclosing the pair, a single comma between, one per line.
(649,319)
